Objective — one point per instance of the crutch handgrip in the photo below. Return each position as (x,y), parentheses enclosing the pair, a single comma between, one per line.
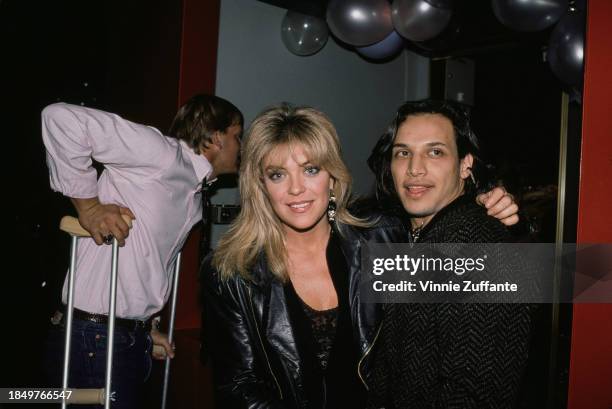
(72,226)
(86,396)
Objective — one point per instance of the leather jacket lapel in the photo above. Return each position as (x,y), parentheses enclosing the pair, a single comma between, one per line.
(271,306)
(366,316)
(279,331)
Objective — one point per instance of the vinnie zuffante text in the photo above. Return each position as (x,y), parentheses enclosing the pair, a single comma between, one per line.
(409,267)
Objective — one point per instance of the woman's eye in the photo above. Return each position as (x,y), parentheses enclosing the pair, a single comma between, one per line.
(402,154)
(312,170)
(274,176)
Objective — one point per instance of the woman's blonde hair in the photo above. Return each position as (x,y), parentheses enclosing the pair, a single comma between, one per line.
(257,227)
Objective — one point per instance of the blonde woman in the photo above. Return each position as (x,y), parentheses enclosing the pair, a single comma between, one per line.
(285,325)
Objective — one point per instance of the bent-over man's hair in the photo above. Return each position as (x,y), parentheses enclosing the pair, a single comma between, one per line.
(202,116)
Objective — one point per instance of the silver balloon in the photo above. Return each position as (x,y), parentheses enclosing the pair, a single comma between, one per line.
(359,22)
(419,20)
(303,34)
(529,15)
(566,49)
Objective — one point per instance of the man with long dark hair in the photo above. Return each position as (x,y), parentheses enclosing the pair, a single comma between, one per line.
(443,355)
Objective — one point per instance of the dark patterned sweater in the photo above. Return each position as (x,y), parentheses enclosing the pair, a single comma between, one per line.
(452,355)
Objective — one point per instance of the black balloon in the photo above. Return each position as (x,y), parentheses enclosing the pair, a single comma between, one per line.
(442,4)
(420,20)
(359,22)
(529,15)
(566,49)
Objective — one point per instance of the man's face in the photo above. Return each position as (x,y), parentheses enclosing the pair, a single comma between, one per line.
(425,165)
(228,159)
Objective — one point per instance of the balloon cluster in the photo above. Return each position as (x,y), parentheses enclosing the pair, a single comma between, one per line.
(375,28)
(566,45)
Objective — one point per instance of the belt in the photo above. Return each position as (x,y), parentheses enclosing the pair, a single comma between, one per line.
(119,322)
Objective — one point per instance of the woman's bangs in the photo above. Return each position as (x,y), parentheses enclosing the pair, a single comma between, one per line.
(316,147)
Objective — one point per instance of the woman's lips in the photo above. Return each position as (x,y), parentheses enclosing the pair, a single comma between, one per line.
(300,207)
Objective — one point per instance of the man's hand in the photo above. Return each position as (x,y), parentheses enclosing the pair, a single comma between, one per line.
(160,340)
(102,220)
(500,204)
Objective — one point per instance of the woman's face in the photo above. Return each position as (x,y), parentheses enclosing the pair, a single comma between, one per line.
(297,188)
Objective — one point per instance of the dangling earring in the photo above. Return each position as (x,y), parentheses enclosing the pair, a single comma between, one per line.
(472,176)
(331,207)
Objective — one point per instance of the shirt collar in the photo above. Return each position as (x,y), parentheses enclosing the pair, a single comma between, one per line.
(200,164)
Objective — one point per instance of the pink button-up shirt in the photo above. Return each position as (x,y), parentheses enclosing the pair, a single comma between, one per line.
(158,178)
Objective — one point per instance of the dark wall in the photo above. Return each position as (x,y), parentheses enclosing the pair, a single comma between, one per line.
(517,115)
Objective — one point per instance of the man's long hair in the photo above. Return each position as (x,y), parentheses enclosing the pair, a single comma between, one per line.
(467,142)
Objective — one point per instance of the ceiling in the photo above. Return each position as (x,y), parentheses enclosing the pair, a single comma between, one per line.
(312,7)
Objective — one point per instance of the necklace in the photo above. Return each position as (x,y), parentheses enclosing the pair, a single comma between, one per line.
(415,233)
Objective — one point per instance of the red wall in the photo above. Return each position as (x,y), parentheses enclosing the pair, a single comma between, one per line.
(591,353)
(197,72)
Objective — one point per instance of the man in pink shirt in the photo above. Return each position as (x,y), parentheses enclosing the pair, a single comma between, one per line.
(154,179)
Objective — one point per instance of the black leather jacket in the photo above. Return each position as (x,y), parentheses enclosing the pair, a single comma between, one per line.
(253,343)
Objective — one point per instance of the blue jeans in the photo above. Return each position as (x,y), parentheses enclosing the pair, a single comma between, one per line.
(131,360)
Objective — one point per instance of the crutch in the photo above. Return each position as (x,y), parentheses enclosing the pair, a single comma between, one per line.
(102,396)
(175,283)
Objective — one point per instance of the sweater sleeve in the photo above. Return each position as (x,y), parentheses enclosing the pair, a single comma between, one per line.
(483,347)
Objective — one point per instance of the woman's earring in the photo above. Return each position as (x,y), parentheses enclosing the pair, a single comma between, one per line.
(331,207)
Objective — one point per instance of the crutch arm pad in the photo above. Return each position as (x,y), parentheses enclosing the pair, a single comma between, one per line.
(86,396)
